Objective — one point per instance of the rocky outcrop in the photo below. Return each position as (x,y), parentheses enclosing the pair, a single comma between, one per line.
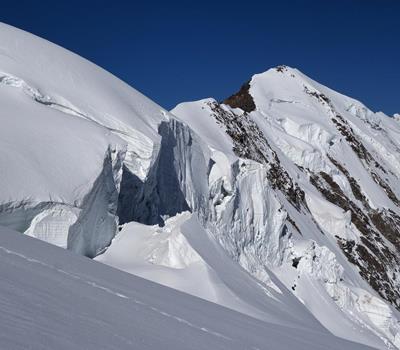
(242,99)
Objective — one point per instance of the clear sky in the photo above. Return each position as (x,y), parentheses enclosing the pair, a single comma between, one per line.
(187,50)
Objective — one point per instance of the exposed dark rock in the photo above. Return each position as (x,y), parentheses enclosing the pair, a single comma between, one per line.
(372,255)
(250,143)
(281,68)
(386,188)
(295,262)
(293,223)
(345,129)
(372,267)
(355,187)
(365,156)
(318,95)
(388,223)
(242,99)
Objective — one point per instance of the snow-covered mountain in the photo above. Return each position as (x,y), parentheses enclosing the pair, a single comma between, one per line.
(281,203)
(313,196)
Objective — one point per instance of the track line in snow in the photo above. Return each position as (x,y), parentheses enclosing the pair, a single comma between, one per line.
(117,294)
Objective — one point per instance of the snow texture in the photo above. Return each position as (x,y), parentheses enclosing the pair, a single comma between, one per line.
(54,299)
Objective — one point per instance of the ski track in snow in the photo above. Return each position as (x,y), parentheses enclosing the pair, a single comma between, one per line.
(117,294)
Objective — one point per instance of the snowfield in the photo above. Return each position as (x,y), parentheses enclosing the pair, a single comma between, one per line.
(53,299)
(273,216)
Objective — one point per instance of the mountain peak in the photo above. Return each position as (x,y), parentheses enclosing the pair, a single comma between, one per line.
(280,78)
(282,68)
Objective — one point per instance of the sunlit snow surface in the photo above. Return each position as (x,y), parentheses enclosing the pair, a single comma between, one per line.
(66,126)
(52,299)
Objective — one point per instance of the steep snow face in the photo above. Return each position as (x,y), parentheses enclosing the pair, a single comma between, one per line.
(312,196)
(68,132)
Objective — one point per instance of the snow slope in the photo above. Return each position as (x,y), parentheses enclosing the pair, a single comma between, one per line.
(183,256)
(53,299)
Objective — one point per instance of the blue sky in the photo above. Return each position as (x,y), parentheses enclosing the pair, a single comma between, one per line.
(186,50)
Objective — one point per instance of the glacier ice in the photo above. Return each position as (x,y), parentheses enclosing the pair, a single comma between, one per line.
(281,203)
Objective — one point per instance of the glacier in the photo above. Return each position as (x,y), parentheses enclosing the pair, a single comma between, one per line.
(280,203)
